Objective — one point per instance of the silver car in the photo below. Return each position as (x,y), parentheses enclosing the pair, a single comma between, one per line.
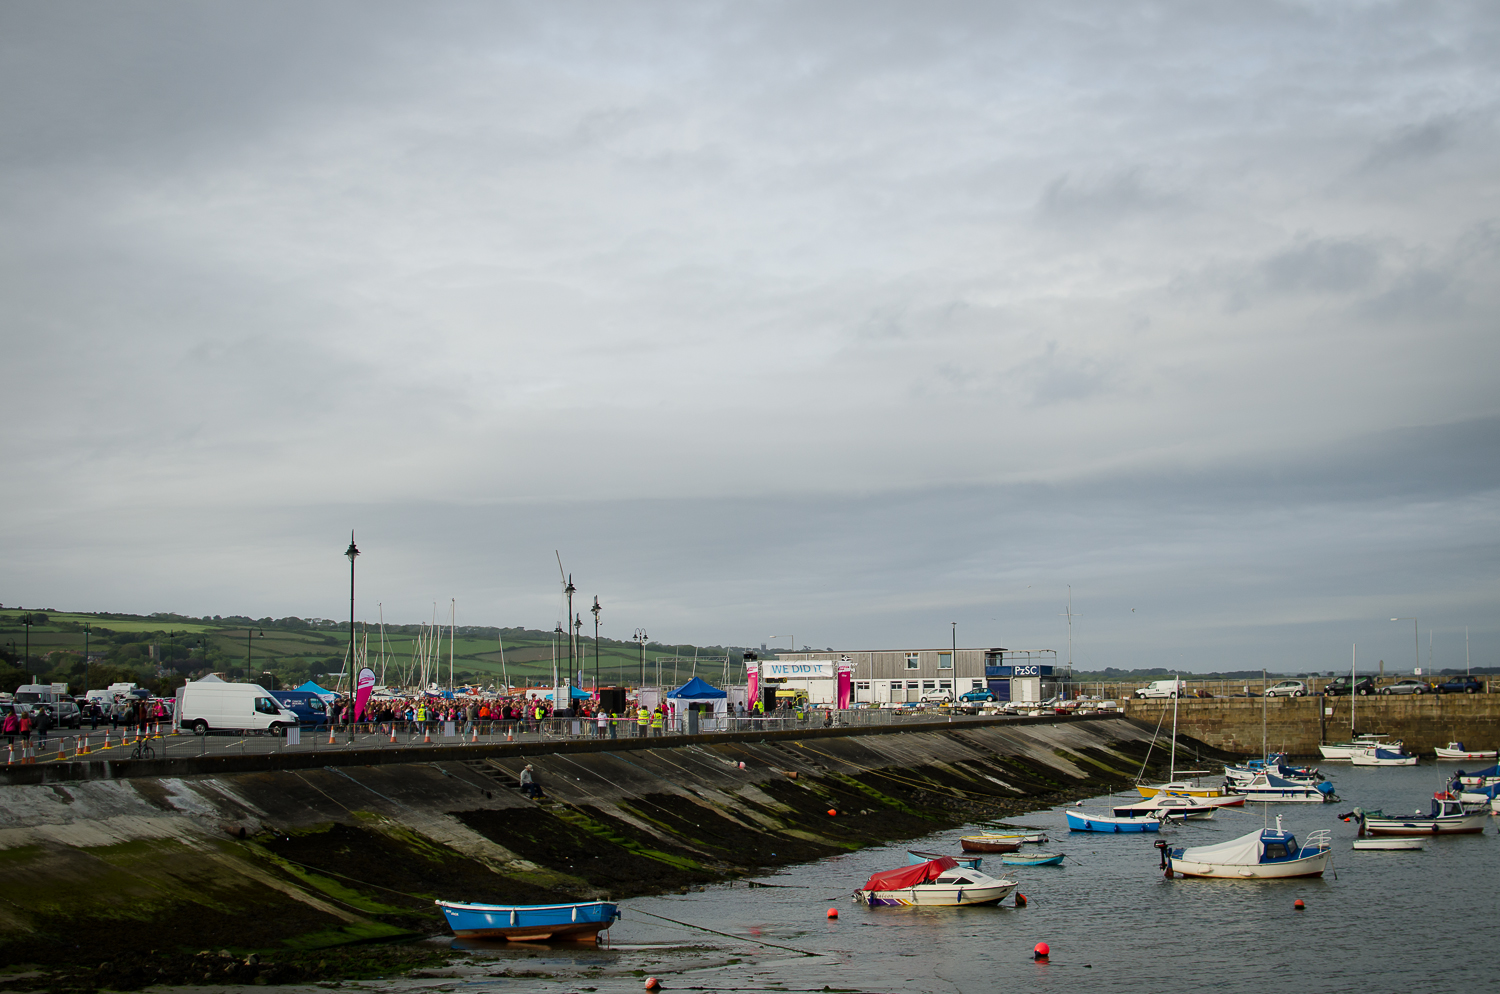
(1288,688)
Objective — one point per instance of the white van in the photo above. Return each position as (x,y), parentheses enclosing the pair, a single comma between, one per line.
(1163,688)
(221,706)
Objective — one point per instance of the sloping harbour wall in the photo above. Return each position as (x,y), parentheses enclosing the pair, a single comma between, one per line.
(307,858)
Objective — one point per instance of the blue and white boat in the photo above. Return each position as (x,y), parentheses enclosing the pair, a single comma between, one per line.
(1266,854)
(1381,756)
(581,922)
(1270,788)
(1083,821)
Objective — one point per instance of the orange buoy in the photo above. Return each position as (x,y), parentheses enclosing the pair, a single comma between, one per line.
(832,813)
(833,912)
(1298,904)
(1020,900)
(1042,951)
(652,984)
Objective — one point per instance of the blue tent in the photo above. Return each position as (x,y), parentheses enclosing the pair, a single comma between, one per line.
(574,694)
(698,690)
(313,688)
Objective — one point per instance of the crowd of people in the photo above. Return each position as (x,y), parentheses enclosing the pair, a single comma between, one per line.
(506,715)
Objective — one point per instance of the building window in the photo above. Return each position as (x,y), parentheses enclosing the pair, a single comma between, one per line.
(913,685)
(945,660)
(945,685)
(862,685)
(912,663)
(928,685)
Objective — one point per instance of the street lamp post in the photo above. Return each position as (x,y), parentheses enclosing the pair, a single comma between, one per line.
(249,631)
(595,611)
(26,660)
(1416,640)
(792,637)
(578,674)
(86,629)
(568,589)
(639,638)
(351,552)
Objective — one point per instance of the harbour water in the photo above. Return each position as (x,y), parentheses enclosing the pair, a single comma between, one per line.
(1380,921)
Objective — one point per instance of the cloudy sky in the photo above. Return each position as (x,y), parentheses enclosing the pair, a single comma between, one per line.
(838,320)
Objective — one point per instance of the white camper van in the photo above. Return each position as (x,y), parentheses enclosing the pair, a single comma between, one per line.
(215,705)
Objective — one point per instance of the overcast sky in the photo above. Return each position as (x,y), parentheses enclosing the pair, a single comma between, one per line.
(838,320)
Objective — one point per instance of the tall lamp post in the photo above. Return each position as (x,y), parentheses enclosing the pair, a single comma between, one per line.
(572,637)
(351,552)
(248,632)
(26,660)
(639,638)
(595,612)
(1416,640)
(792,637)
(86,629)
(578,675)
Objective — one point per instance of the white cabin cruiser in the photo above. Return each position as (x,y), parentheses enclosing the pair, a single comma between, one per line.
(935,883)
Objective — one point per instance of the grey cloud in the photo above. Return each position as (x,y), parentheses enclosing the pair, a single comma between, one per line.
(1324,265)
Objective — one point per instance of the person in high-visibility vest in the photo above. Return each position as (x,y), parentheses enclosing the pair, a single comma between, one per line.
(614,726)
(760,707)
(657,719)
(641,719)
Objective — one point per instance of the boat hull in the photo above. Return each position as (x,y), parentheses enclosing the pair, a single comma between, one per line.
(1035,859)
(983,845)
(1284,795)
(1388,844)
(530,922)
(1468,824)
(1364,760)
(1179,790)
(1308,866)
(1080,822)
(936,896)
(1460,754)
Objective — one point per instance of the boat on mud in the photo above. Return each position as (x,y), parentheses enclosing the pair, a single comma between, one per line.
(580,922)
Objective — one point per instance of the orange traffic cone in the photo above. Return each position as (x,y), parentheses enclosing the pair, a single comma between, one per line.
(426,734)
(475,737)
(10,754)
(330,735)
(509,737)
(83,747)
(393,732)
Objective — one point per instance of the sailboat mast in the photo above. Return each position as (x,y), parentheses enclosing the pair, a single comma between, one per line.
(452,623)
(1176,693)
(1263,753)
(1353,678)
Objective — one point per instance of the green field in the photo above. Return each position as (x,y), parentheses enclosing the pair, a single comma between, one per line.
(163,650)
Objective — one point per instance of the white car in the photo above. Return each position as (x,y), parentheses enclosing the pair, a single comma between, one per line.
(1163,688)
(1288,688)
(937,697)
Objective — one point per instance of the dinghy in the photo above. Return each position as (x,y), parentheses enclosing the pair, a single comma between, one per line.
(581,922)
(937,882)
(990,843)
(1265,854)
(1034,859)
(1391,843)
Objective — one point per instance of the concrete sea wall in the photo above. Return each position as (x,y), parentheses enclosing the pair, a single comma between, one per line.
(310,858)
(1297,725)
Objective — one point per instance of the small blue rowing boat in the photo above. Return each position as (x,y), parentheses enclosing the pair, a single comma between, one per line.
(1033,859)
(1080,821)
(580,922)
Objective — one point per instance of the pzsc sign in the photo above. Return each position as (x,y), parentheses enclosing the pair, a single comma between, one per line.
(1027,670)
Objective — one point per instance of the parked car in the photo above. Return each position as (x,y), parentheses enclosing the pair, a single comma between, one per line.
(938,697)
(1162,688)
(1341,685)
(1461,685)
(980,696)
(1410,685)
(1287,688)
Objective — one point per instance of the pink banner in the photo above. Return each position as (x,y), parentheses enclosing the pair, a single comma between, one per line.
(846,677)
(752,690)
(362,693)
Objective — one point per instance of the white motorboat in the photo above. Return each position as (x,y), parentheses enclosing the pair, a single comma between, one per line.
(1378,756)
(1449,815)
(1270,788)
(1169,807)
(1346,750)
(1265,854)
(1188,788)
(1395,842)
(1487,777)
(1456,750)
(935,883)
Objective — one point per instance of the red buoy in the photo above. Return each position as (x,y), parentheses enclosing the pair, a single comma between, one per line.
(652,984)
(833,912)
(1298,904)
(1042,951)
(831,812)
(1020,900)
